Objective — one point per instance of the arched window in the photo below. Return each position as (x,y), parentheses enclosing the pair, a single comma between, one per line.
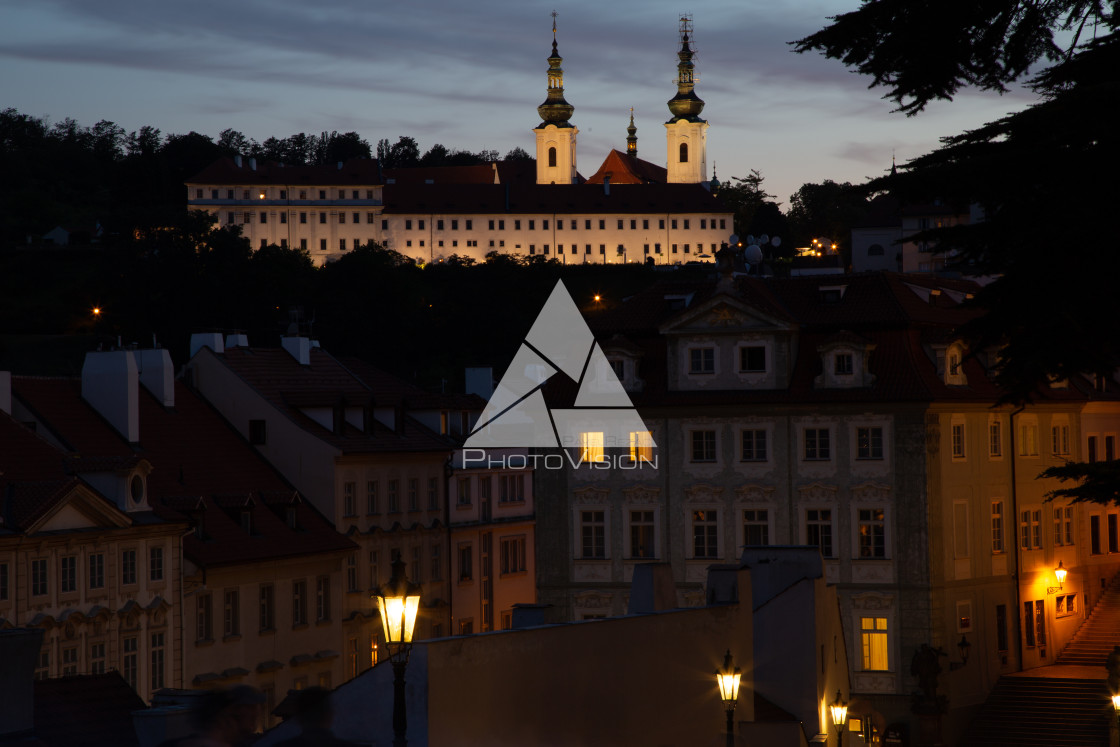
(552,157)
(684,152)
(875,250)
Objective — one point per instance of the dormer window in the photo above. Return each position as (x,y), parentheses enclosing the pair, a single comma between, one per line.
(752,359)
(842,364)
(832,293)
(136,489)
(952,369)
(702,361)
(290,517)
(247,520)
(954,364)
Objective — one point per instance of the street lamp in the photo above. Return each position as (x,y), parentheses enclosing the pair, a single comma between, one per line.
(1116,706)
(398,602)
(1060,574)
(839,710)
(728,680)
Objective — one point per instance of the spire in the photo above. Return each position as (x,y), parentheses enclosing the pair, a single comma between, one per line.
(555,110)
(894,169)
(714,185)
(632,137)
(686,104)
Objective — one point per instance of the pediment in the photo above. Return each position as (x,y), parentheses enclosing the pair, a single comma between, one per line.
(81,508)
(723,313)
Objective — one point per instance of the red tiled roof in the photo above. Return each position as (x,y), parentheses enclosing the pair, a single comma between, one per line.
(89,710)
(517,172)
(482,173)
(626,169)
(280,379)
(356,171)
(389,389)
(200,467)
(551,198)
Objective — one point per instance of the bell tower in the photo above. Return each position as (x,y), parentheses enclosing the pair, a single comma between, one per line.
(686,134)
(556,136)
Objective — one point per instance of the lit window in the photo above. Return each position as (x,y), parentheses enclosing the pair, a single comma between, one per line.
(1028,439)
(591,446)
(641,446)
(995,439)
(1063,525)
(873,644)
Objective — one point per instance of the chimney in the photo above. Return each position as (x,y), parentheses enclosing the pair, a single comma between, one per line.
(19,650)
(652,589)
(480,381)
(253,164)
(299,348)
(607,185)
(110,384)
(212,340)
(6,392)
(237,160)
(157,374)
(237,340)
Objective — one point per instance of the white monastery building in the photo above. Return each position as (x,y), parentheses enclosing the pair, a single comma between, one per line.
(630,210)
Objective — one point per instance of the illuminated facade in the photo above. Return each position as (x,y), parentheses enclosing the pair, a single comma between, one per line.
(630,211)
(842,413)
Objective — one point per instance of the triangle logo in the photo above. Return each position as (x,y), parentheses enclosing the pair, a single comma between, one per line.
(560,342)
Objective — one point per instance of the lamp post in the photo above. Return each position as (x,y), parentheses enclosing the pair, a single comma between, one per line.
(728,680)
(839,710)
(1116,707)
(398,602)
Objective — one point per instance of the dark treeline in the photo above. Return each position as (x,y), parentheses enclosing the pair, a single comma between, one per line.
(81,177)
(424,323)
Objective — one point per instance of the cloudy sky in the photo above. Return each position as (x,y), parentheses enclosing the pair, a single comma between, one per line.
(469,75)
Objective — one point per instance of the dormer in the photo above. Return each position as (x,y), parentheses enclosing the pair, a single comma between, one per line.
(845,359)
(122,479)
(624,358)
(950,363)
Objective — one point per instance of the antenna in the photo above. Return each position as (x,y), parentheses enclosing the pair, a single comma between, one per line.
(554,14)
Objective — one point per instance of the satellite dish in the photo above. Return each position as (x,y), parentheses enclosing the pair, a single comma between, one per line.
(776,241)
(733,240)
(753,254)
(763,239)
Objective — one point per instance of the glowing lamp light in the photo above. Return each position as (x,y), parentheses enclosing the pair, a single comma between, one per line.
(262,195)
(398,602)
(728,679)
(1060,573)
(1116,703)
(97,311)
(839,709)
(597,298)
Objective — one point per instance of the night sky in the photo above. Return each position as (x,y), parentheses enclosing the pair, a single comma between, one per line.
(469,75)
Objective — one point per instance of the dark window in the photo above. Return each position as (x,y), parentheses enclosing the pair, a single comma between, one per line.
(703,446)
(684,153)
(552,157)
(752,358)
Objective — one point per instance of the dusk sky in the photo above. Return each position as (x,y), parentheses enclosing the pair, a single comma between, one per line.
(470,75)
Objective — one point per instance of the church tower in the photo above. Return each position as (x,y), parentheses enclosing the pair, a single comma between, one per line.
(556,137)
(632,137)
(686,134)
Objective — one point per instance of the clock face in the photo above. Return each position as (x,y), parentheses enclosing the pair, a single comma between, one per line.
(136,488)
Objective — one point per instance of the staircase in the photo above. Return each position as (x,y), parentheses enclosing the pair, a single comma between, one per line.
(1043,712)
(1095,638)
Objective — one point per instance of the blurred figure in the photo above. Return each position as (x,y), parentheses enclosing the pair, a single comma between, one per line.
(314,714)
(224,718)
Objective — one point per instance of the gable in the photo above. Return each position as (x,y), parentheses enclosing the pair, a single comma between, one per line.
(723,314)
(80,508)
